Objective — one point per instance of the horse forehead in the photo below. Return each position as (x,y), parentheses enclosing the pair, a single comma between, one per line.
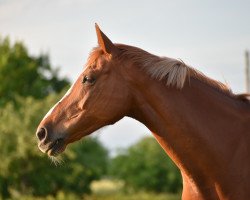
(98,61)
(101,61)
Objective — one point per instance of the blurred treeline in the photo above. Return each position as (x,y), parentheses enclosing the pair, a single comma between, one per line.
(29,86)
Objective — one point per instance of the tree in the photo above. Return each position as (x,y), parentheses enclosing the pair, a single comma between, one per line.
(145,166)
(24,75)
(24,170)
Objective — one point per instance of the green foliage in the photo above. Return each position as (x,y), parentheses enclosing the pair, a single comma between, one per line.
(25,75)
(24,170)
(145,166)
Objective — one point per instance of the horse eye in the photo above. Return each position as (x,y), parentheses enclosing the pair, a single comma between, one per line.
(88,79)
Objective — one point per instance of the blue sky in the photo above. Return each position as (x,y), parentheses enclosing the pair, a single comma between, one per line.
(210,35)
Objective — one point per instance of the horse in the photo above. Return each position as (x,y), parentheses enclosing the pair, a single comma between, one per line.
(200,123)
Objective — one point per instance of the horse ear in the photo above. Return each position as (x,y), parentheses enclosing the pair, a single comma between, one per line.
(104,42)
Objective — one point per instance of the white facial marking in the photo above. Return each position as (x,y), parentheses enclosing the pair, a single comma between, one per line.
(51,110)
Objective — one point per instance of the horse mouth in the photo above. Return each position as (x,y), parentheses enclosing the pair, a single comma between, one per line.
(56,147)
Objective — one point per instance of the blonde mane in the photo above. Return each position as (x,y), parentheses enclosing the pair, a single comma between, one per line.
(173,71)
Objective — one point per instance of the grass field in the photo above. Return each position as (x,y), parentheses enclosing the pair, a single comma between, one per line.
(103,190)
(118,196)
(112,190)
(137,196)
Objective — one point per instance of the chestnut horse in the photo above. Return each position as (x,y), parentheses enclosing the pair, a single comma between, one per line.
(199,122)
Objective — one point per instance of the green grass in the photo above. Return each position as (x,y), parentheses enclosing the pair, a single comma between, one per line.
(137,196)
(104,189)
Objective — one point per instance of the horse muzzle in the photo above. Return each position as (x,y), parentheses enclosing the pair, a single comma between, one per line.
(48,145)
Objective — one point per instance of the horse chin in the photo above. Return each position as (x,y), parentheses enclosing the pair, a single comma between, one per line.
(57,148)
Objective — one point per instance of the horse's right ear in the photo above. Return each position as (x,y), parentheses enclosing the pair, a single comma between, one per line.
(104,42)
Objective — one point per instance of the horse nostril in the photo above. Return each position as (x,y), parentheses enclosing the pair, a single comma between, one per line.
(41,134)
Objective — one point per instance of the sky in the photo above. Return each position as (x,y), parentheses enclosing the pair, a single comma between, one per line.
(209,35)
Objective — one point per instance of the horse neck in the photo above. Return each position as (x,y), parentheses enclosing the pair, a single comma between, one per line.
(196,124)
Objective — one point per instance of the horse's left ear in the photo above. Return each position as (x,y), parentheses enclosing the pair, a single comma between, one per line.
(104,42)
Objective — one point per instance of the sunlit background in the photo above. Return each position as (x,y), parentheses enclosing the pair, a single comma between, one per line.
(210,36)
